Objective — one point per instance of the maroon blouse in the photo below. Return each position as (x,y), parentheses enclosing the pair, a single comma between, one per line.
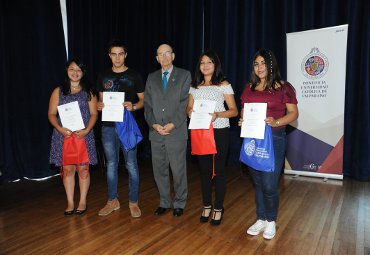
(276,100)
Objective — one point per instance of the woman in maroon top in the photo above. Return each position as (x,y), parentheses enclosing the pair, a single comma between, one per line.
(266,86)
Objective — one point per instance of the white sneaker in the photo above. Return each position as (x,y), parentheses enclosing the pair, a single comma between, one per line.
(257,228)
(270,230)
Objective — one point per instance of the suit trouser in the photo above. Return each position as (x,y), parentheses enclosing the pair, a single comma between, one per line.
(166,155)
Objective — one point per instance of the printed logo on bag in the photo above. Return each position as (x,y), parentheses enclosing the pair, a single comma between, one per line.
(250,147)
(315,64)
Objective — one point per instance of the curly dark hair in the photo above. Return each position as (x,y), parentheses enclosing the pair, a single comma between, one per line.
(217,77)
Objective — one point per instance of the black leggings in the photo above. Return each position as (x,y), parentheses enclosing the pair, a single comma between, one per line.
(205,164)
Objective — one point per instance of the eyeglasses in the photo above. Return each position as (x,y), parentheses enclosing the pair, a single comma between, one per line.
(120,54)
(164,54)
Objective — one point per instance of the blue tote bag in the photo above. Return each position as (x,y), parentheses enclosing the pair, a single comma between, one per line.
(128,131)
(259,153)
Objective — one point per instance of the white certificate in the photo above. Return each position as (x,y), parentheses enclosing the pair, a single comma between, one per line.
(113,108)
(70,116)
(201,116)
(254,116)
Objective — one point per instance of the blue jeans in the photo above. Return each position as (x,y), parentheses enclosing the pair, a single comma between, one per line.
(112,145)
(267,183)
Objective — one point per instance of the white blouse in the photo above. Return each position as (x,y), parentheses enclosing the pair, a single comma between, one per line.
(215,93)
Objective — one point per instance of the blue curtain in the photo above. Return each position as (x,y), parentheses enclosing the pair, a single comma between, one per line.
(33,56)
(357,110)
(143,25)
(237,29)
(32,63)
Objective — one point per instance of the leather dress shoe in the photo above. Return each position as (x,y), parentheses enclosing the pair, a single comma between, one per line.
(160,210)
(69,213)
(178,212)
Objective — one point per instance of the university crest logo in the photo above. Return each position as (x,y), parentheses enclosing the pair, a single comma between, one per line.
(250,147)
(315,64)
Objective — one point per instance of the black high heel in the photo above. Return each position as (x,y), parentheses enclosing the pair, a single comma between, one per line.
(204,219)
(215,222)
(69,213)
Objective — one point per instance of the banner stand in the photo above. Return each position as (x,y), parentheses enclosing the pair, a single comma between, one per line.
(316,67)
(310,174)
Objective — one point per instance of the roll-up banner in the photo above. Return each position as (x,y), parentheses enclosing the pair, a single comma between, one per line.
(316,67)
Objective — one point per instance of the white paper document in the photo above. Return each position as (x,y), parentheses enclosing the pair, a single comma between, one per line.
(201,116)
(254,116)
(113,106)
(70,116)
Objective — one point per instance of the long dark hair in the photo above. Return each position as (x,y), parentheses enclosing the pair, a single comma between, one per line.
(273,72)
(217,76)
(84,83)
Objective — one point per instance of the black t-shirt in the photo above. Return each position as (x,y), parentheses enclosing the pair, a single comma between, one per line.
(128,81)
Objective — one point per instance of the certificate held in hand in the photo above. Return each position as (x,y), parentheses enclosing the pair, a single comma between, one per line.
(202,114)
(70,116)
(254,116)
(113,108)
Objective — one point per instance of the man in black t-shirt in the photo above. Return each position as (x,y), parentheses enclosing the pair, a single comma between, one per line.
(120,78)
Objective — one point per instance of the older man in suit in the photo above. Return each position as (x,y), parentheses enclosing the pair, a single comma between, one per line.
(166,97)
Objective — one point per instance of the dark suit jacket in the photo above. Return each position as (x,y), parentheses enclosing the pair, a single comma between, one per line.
(167,107)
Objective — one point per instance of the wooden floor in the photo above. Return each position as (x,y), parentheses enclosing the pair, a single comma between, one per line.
(315,218)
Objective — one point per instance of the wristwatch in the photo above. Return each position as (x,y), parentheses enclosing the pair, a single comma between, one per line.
(134,107)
